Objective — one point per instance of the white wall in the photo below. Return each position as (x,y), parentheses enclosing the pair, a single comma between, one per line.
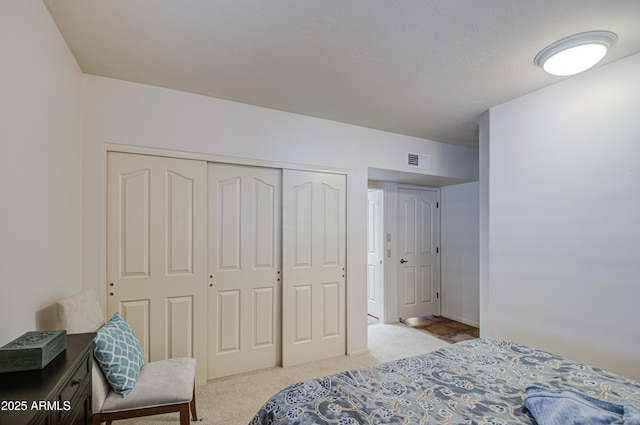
(460,253)
(564,224)
(134,114)
(40,169)
(483,222)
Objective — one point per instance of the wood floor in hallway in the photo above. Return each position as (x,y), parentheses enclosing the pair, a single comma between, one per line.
(440,327)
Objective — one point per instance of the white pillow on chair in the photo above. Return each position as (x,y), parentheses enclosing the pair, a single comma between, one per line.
(80,313)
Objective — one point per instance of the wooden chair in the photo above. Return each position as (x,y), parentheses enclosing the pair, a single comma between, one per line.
(162,386)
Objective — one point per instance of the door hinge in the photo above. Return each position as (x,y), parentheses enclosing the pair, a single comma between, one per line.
(438,295)
(437,204)
(437,250)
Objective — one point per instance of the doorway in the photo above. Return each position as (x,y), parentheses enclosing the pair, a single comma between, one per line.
(375,254)
(418,253)
(403,251)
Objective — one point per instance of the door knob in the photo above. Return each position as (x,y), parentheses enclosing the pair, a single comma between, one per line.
(402,261)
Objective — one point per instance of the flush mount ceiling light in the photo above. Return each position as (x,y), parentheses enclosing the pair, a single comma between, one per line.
(575,53)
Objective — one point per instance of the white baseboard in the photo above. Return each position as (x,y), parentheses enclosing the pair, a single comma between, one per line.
(461,320)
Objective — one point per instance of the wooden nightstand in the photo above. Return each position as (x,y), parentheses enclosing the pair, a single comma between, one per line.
(59,394)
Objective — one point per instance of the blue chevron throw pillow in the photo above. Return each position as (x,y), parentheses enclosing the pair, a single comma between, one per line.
(119,354)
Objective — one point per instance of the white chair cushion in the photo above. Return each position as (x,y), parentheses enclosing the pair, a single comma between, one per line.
(99,386)
(160,383)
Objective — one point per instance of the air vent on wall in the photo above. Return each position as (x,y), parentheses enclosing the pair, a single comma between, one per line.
(419,160)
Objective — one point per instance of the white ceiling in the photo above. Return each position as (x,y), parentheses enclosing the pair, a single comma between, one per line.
(425,68)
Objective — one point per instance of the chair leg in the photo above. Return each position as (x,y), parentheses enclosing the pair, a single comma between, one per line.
(96,419)
(192,405)
(184,415)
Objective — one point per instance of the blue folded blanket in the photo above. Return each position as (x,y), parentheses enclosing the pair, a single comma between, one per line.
(569,407)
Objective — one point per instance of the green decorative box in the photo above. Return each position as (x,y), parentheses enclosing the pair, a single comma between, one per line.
(33,350)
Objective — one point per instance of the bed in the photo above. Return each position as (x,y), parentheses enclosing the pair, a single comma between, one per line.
(482,381)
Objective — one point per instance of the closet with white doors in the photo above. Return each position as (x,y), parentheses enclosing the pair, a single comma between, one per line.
(239,266)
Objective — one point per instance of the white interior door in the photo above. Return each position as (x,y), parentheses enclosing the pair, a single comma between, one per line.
(418,253)
(244,268)
(313,300)
(156,253)
(375,249)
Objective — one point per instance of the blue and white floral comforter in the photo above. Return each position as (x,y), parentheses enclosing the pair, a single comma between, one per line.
(481,381)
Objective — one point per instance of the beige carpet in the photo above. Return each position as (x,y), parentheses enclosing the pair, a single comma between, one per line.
(234,400)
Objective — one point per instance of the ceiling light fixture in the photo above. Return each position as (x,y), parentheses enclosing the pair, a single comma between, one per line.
(575,53)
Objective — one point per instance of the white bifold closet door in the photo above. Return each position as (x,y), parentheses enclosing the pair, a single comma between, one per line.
(156,253)
(244,268)
(313,298)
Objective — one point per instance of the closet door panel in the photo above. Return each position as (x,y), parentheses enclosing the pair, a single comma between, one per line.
(135,221)
(244,268)
(314,228)
(156,252)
